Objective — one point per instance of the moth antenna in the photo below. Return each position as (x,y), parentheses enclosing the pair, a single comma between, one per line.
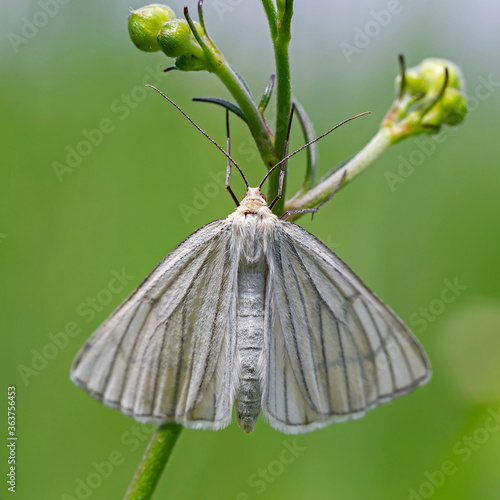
(228,135)
(200,129)
(311,142)
(283,165)
(228,168)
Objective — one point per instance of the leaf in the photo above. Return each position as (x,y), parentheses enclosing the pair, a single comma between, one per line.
(224,103)
(267,94)
(312,150)
(240,78)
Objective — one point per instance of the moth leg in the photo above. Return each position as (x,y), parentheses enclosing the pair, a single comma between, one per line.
(315,209)
(283,165)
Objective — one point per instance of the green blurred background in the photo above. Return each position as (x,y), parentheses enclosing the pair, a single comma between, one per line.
(121,209)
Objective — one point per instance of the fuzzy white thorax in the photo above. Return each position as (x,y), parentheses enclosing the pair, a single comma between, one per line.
(253,203)
(253,225)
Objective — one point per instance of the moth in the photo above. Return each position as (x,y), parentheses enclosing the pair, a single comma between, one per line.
(251,311)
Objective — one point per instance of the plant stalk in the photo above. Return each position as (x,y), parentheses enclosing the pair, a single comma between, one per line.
(153,462)
(281,41)
(379,143)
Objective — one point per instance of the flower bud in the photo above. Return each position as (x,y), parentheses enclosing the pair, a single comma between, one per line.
(428,77)
(450,110)
(427,100)
(144,25)
(432,69)
(176,40)
(416,83)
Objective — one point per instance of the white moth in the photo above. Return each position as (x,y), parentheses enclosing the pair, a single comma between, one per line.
(254,312)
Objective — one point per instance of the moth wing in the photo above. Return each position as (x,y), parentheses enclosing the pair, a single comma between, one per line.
(166,354)
(333,349)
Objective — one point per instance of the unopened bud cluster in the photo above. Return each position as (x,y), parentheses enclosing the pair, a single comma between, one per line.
(428,99)
(155,27)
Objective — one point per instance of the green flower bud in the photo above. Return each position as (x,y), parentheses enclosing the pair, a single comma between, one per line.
(176,40)
(450,110)
(144,25)
(191,63)
(428,77)
(416,83)
(432,69)
(427,100)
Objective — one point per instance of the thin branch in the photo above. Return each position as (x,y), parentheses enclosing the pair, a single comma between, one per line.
(380,142)
(283,97)
(153,462)
(271,17)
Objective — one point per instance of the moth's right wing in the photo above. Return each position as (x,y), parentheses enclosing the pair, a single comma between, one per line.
(166,354)
(333,348)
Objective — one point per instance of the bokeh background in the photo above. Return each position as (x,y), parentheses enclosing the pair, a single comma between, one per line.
(151,180)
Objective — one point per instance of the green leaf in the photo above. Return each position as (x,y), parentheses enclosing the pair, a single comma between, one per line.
(267,94)
(224,103)
(241,79)
(312,151)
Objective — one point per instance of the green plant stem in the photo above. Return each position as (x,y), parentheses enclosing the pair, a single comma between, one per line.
(253,117)
(271,16)
(283,98)
(153,462)
(379,143)
(255,121)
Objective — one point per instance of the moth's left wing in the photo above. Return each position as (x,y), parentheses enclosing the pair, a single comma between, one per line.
(333,349)
(167,353)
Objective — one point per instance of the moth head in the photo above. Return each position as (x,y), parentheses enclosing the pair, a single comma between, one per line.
(254,196)
(253,202)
